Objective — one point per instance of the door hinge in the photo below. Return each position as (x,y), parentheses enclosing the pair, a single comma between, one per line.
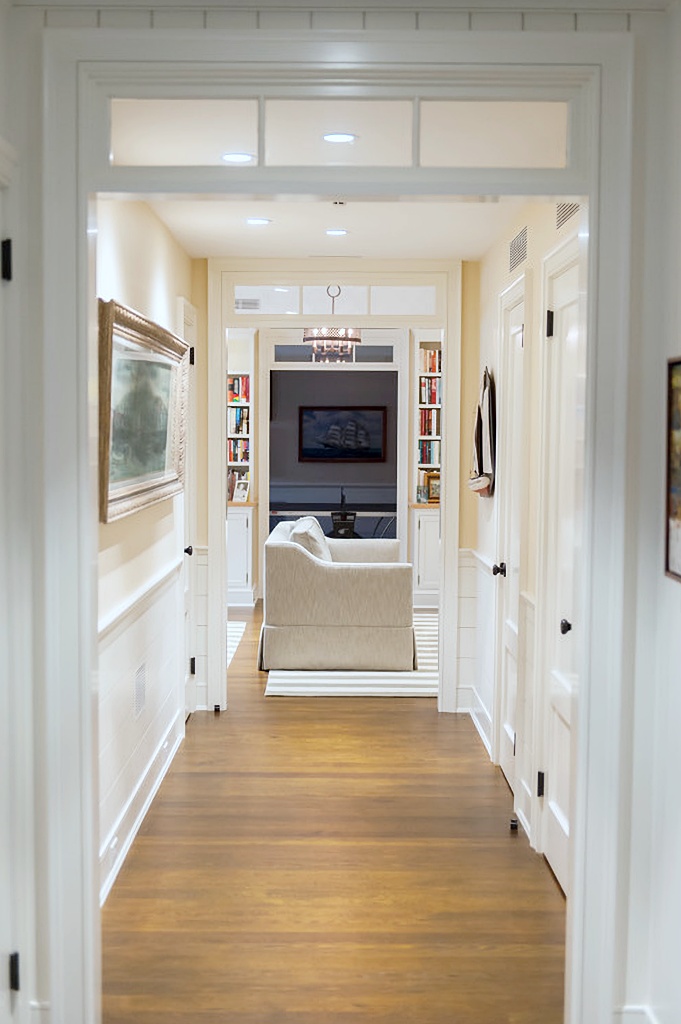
(514,739)
(522,336)
(540,783)
(192,355)
(192,666)
(549,323)
(14,972)
(7,259)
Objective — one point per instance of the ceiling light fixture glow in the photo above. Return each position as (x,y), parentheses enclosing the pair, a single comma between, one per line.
(258,222)
(238,158)
(339,137)
(333,232)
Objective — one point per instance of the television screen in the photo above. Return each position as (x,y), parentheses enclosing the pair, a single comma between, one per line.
(350,433)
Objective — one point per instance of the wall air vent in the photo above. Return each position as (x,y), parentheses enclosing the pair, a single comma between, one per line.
(563,213)
(140,694)
(517,250)
(253,305)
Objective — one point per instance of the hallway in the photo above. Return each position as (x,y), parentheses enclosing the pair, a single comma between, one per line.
(331,861)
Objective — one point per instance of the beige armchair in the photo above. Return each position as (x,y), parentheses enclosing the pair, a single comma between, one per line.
(335,604)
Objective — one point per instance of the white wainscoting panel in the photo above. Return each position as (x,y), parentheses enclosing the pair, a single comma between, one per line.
(482,696)
(635,1015)
(526,702)
(201,613)
(468,623)
(141,713)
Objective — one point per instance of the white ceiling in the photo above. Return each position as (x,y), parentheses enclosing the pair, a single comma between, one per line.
(380,230)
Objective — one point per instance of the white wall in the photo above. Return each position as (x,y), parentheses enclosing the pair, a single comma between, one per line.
(141,645)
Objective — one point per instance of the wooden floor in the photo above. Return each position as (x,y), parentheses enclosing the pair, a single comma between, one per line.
(331,861)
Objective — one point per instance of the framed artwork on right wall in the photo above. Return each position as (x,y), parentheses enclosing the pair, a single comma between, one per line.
(673,511)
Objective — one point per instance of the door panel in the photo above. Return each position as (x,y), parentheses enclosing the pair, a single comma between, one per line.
(564,482)
(509,487)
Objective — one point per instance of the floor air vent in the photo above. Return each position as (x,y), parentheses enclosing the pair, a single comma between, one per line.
(563,213)
(517,250)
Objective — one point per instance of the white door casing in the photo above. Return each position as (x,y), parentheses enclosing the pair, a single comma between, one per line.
(561,624)
(187,325)
(509,485)
(74,165)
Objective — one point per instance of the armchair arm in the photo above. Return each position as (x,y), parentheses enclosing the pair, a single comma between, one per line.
(305,591)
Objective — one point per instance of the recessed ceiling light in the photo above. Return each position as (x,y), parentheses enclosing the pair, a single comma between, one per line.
(238,158)
(281,289)
(336,231)
(339,137)
(258,222)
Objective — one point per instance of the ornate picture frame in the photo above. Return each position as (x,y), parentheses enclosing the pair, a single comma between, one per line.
(433,488)
(142,396)
(673,511)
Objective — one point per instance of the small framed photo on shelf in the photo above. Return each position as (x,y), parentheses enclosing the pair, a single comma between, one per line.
(433,488)
(241,489)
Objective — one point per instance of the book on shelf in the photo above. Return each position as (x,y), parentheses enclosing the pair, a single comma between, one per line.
(237,450)
(238,420)
(429,422)
(238,388)
(429,453)
(430,360)
(429,390)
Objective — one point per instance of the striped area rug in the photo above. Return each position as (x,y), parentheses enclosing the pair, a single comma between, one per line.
(235,630)
(427,636)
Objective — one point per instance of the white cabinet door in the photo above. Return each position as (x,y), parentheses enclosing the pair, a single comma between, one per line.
(240,556)
(426,557)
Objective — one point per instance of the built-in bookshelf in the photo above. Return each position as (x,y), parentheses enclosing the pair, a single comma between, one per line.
(239,419)
(428,373)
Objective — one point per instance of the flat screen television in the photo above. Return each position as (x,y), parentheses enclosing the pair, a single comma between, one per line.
(342,433)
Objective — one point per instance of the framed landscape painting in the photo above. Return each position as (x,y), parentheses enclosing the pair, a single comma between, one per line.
(352,433)
(142,387)
(673,545)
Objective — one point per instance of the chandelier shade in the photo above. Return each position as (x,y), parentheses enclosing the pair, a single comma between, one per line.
(332,342)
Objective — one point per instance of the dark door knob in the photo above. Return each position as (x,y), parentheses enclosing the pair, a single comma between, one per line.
(189,550)
(565,626)
(499,570)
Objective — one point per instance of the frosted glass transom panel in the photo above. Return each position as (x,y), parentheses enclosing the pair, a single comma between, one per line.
(295,130)
(403,300)
(266,298)
(480,133)
(183,133)
(353,300)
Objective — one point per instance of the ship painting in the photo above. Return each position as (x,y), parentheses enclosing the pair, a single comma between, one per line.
(348,434)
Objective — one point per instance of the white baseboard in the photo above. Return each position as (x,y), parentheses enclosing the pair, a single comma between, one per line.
(351,684)
(469,703)
(241,598)
(115,848)
(427,600)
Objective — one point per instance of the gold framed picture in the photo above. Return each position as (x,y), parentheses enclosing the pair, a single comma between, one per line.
(433,488)
(142,388)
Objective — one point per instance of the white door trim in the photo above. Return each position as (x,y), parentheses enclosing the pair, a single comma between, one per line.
(63,496)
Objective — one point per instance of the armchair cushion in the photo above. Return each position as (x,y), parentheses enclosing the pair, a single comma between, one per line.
(308,533)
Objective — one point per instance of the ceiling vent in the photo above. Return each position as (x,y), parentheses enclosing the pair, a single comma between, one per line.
(563,213)
(517,250)
(253,305)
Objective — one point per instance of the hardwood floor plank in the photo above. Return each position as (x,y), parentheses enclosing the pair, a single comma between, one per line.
(331,861)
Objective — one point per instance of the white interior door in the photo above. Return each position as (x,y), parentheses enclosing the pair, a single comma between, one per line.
(564,396)
(6,768)
(509,484)
(187,317)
